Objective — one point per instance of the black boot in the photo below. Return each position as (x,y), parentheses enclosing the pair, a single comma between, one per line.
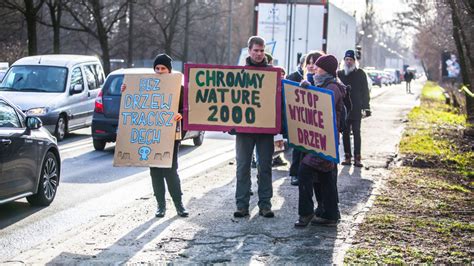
(180,209)
(160,212)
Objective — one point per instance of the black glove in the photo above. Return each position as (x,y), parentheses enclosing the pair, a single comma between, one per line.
(367,113)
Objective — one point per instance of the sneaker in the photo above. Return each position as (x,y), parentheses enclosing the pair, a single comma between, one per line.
(240,213)
(180,210)
(323,221)
(160,212)
(267,213)
(303,221)
(294,180)
(278,162)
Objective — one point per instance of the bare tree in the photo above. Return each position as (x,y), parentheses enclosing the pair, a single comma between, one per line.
(55,12)
(29,9)
(443,25)
(166,15)
(97,18)
(462,14)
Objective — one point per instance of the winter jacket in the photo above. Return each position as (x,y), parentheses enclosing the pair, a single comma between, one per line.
(313,160)
(360,96)
(296,76)
(249,62)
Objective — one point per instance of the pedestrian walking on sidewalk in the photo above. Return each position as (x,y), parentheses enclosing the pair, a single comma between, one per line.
(356,78)
(408,76)
(316,173)
(162,65)
(244,146)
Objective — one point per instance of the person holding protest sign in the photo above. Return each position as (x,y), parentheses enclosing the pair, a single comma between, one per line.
(162,65)
(355,77)
(306,68)
(245,144)
(315,172)
(297,156)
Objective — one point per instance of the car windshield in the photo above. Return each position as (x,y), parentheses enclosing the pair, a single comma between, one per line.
(35,79)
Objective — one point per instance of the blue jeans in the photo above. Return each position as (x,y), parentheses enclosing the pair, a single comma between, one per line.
(244,146)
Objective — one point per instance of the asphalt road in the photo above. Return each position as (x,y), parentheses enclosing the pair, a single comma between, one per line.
(91,187)
(105,215)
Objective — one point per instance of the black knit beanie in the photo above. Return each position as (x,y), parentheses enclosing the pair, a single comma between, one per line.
(163,59)
(328,63)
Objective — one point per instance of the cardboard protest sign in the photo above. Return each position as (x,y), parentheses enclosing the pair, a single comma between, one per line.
(311,120)
(147,129)
(224,98)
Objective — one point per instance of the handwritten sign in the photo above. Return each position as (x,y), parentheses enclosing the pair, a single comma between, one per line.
(311,120)
(146,129)
(222,98)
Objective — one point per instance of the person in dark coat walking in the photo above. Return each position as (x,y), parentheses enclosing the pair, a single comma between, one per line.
(356,78)
(408,76)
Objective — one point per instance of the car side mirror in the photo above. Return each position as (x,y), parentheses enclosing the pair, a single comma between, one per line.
(33,122)
(78,88)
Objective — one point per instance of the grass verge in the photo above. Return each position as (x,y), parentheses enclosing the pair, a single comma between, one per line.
(424,213)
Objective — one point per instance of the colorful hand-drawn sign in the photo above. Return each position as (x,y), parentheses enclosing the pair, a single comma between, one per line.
(225,98)
(311,120)
(146,129)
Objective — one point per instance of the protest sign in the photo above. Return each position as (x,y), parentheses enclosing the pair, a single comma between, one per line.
(147,129)
(225,98)
(311,120)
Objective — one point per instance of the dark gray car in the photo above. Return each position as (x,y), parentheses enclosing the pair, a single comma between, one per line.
(29,158)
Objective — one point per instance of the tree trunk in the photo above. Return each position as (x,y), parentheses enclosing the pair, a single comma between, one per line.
(55,14)
(130,34)
(186,33)
(466,67)
(30,15)
(102,34)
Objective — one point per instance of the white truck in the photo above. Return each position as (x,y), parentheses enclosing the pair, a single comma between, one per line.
(298,27)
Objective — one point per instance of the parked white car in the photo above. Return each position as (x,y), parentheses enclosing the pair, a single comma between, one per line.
(59,89)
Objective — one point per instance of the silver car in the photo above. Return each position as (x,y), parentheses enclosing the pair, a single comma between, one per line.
(59,89)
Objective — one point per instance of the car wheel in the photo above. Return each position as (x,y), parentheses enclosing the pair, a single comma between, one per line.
(48,183)
(199,139)
(61,127)
(99,145)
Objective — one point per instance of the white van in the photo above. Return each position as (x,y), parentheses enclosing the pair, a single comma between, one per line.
(59,89)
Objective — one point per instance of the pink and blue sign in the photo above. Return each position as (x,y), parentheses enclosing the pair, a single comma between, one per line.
(232,98)
(310,120)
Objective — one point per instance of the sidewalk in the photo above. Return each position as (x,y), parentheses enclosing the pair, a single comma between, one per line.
(212,235)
